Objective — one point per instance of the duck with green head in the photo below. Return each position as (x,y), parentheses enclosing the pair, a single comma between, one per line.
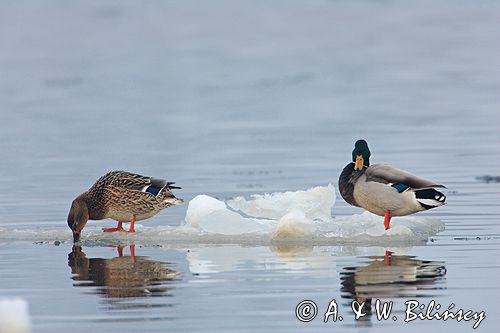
(385,190)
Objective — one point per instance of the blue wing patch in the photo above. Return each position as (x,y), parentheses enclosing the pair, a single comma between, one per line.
(400,187)
(153,190)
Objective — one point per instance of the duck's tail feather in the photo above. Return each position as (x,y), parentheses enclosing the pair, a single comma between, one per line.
(167,196)
(171,185)
(430,198)
(160,187)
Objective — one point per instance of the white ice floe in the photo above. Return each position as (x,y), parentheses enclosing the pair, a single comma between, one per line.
(14,316)
(294,225)
(369,228)
(278,215)
(302,217)
(315,203)
(213,216)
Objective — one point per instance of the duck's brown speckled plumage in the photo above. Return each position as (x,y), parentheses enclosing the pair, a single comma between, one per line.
(120,193)
(121,196)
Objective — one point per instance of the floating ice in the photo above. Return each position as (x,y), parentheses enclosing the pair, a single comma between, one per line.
(369,228)
(294,225)
(300,217)
(315,203)
(283,215)
(202,206)
(14,316)
(213,216)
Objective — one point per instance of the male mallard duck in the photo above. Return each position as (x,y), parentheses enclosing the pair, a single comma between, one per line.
(384,190)
(121,196)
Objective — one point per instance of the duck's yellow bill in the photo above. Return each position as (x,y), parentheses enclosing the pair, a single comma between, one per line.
(358,165)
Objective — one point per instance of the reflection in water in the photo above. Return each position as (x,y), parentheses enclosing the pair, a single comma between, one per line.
(391,276)
(121,277)
(292,257)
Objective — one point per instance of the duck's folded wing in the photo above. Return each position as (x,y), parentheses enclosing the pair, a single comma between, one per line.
(134,181)
(386,174)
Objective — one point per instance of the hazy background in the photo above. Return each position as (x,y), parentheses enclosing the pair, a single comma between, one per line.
(200,92)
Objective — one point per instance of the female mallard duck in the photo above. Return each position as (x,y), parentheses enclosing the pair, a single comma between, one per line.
(384,190)
(121,196)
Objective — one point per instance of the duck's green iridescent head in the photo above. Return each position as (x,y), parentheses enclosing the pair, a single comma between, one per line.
(361,155)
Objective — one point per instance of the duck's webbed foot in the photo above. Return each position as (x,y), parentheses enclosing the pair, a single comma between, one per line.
(119,227)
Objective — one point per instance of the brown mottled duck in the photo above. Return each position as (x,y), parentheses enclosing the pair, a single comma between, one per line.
(122,196)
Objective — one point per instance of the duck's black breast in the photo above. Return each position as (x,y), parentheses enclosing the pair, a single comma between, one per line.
(347,179)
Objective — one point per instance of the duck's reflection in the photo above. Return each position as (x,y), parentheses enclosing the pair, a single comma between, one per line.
(391,276)
(122,276)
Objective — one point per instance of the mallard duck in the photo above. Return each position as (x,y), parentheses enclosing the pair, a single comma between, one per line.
(123,197)
(385,190)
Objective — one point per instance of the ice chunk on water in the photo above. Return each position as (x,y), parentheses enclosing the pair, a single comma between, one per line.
(14,316)
(316,203)
(202,206)
(213,216)
(226,222)
(282,215)
(369,228)
(294,225)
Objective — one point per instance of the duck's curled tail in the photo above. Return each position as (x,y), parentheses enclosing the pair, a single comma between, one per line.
(430,198)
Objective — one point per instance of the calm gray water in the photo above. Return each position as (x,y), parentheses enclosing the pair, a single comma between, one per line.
(235,98)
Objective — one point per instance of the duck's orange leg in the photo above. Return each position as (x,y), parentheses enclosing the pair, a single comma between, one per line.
(119,227)
(120,250)
(387,220)
(132,222)
(388,257)
(132,252)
